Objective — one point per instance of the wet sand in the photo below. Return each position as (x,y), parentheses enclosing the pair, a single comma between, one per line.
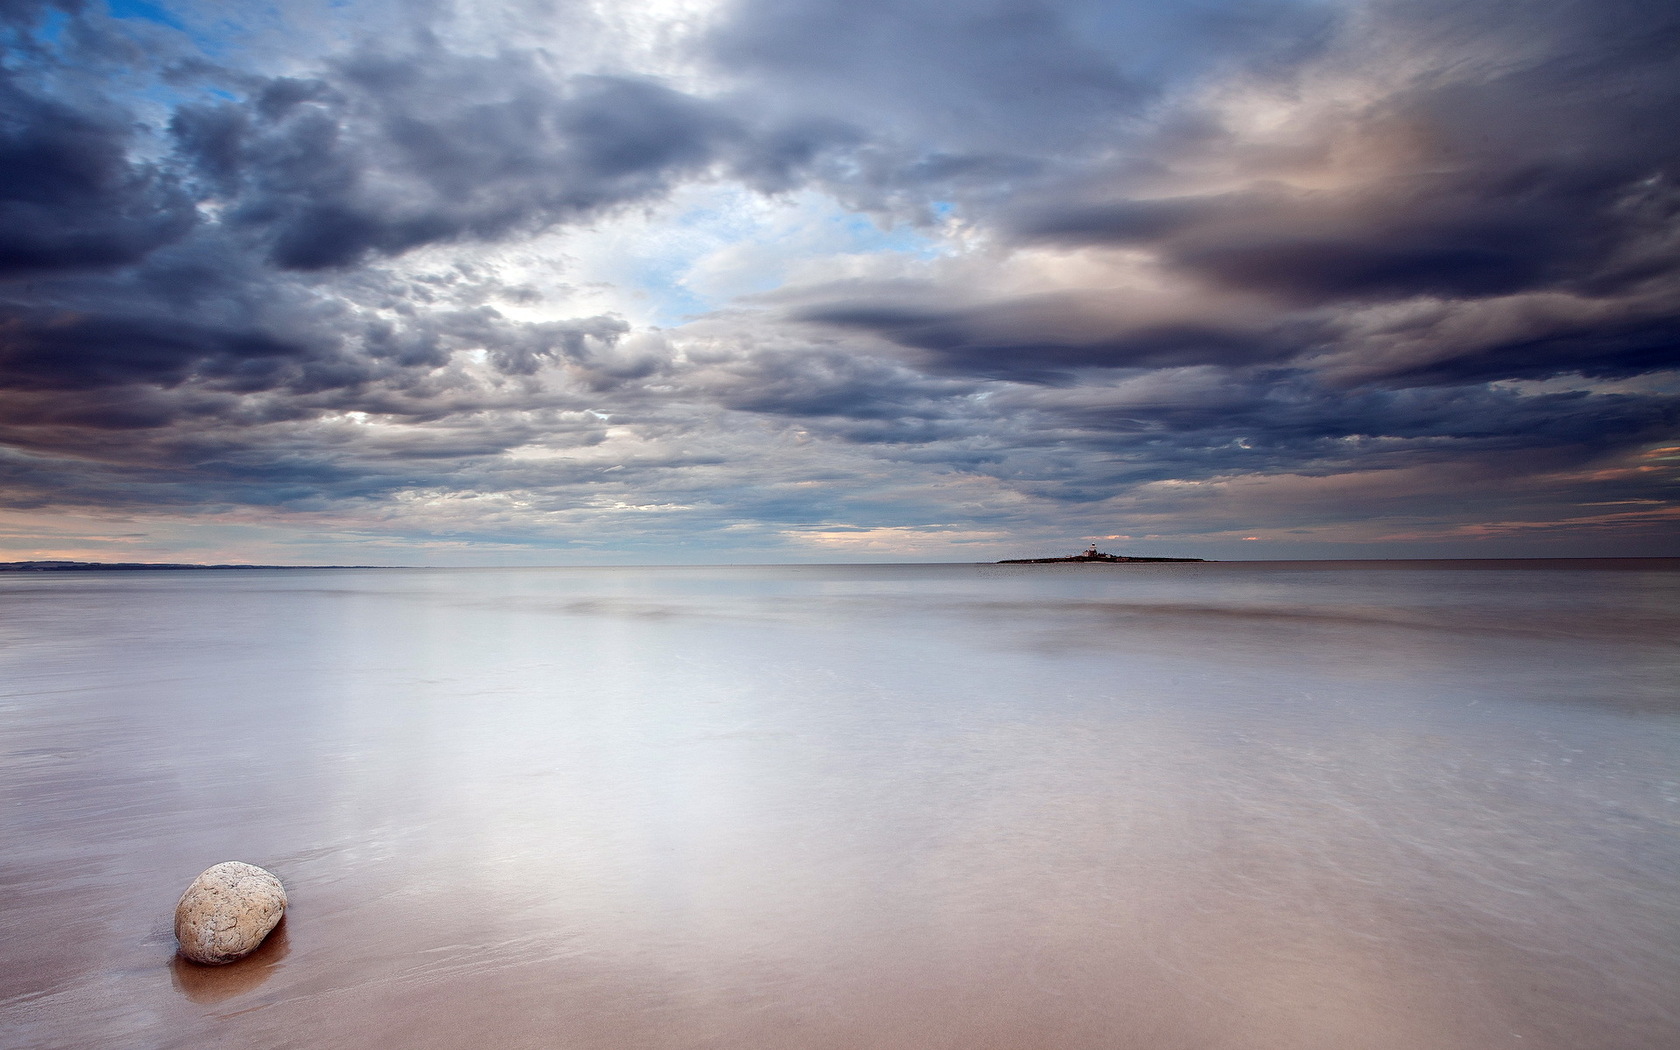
(955,806)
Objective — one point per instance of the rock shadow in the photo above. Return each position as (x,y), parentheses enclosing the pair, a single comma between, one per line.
(213,984)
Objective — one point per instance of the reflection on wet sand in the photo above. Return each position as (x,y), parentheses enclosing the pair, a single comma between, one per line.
(914,808)
(213,984)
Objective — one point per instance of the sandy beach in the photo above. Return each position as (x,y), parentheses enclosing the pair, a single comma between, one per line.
(1229,805)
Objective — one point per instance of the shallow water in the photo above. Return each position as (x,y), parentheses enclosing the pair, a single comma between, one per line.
(1287,806)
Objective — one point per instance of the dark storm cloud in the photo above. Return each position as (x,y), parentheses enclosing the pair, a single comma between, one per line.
(1632,343)
(1531,156)
(211,289)
(52,352)
(1291,424)
(833,383)
(302,344)
(27,12)
(1473,235)
(1083,446)
(1432,240)
(143,265)
(1541,162)
(1046,338)
(71,196)
(397,151)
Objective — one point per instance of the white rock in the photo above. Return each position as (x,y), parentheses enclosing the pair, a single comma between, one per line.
(227,911)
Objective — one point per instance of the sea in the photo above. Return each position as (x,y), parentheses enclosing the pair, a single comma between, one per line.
(1255,806)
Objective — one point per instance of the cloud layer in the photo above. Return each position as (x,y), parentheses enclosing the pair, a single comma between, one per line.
(959,280)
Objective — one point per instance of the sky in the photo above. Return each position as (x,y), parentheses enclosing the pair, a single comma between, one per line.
(540,282)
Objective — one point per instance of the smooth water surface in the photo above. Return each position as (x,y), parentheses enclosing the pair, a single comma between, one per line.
(1246,806)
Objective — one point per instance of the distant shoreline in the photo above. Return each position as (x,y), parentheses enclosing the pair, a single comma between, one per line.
(95,566)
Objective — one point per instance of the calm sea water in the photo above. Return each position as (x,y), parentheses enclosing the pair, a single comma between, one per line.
(1246,806)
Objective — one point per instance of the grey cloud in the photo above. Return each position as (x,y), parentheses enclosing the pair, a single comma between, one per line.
(824,383)
(315,463)
(1067,446)
(46,351)
(1048,338)
(931,104)
(1431,236)
(72,195)
(1529,158)
(1288,423)
(1532,157)
(209,310)
(1630,342)
(27,12)
(159,286)
(197,331)
(995,77)
(1092,435)
(397,151)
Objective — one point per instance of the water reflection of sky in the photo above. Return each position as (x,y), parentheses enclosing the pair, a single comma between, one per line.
(872,806)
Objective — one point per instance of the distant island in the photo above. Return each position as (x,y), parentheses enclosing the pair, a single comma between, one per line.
(89,566)
(1088,555)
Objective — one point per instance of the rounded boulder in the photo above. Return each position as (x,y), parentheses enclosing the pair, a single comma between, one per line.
(227,911)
